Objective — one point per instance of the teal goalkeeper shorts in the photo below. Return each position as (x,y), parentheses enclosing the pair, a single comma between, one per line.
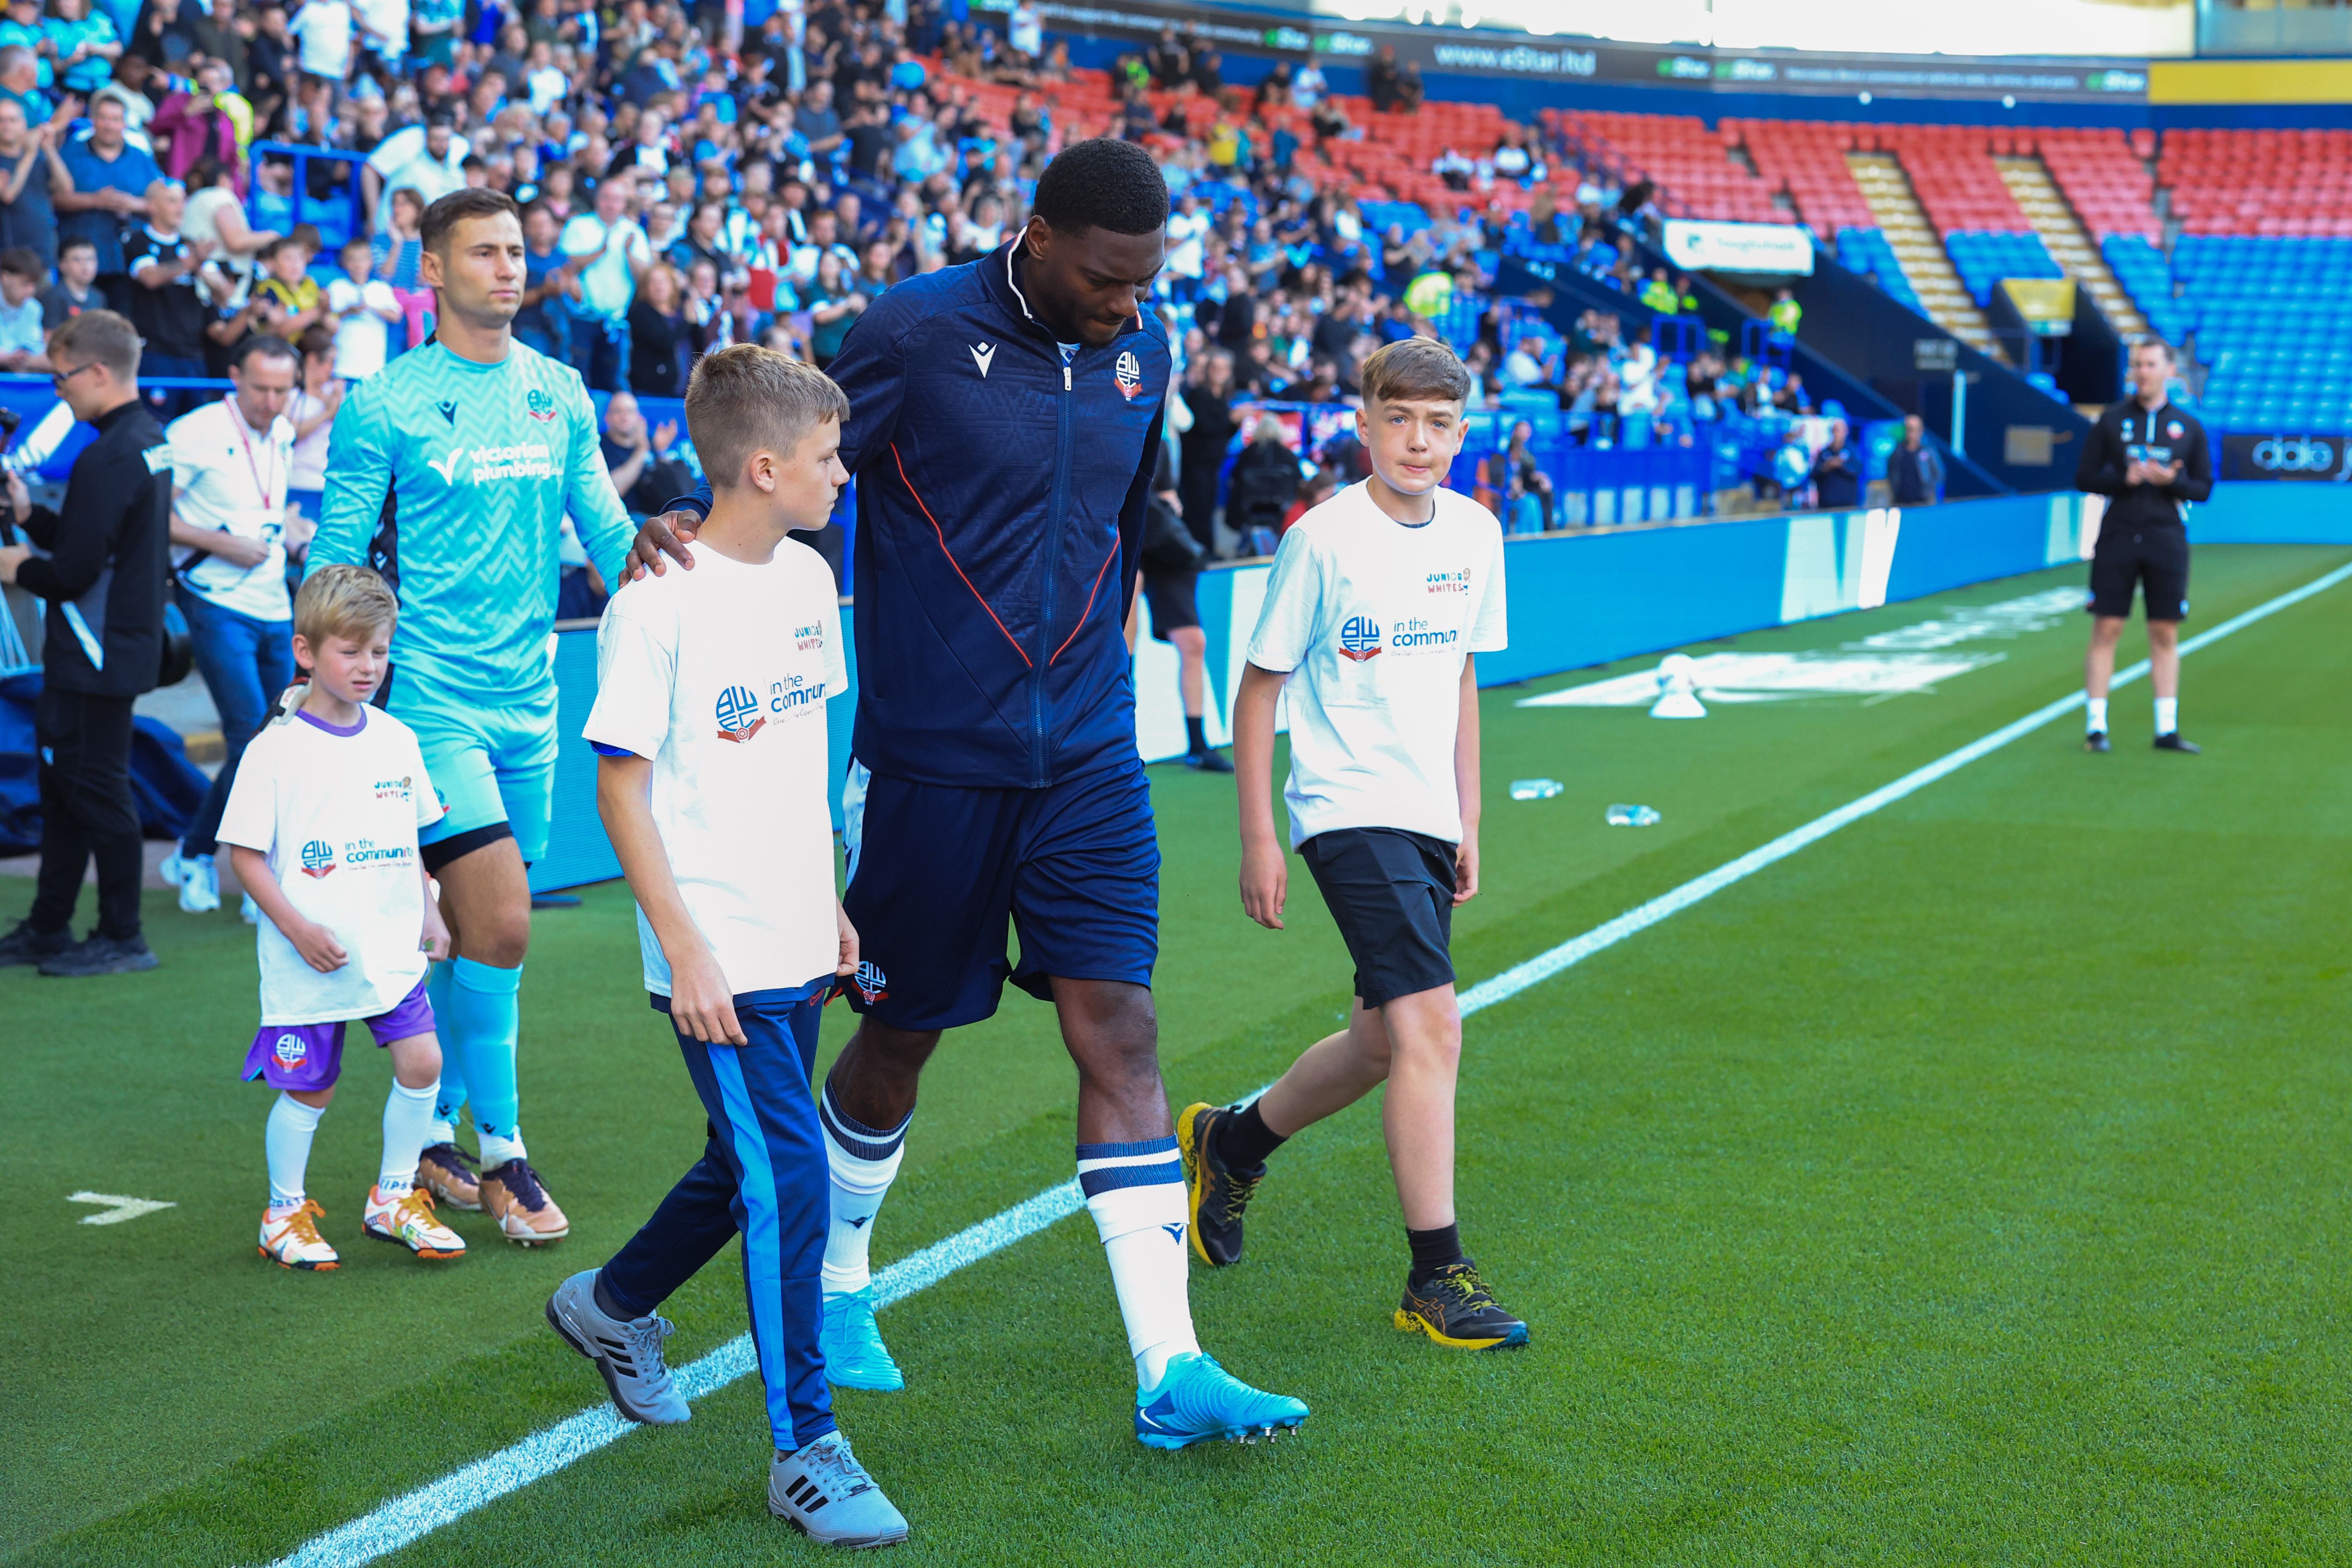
(493,767)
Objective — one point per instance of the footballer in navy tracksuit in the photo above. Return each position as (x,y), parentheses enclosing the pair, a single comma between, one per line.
(995,790)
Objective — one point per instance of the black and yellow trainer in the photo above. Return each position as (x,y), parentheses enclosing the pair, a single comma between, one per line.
(1215,1193)
(1453,1307)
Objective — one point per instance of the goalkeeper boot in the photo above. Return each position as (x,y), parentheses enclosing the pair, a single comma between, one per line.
(1197,1400)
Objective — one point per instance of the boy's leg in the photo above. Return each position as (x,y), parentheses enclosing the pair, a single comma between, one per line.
(302,1062)
(398,1209)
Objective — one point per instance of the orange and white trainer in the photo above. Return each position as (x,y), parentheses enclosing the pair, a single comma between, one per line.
(290,1239)
(407,1218)
(514,1197)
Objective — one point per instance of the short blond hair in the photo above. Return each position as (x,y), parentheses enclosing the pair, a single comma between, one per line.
(342,601)
(1415,369)
(748,399)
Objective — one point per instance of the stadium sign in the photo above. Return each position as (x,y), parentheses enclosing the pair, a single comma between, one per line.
(2324,457)
(1777,248)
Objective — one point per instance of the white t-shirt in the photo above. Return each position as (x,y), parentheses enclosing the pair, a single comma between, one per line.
(337,814)
(389,20)
(1371,620)
(609,283)
(324,27)
(232,478)
(362,338)
(720,675)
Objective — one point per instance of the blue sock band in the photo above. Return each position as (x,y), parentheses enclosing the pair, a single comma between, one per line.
(484,1018)
(451,1100)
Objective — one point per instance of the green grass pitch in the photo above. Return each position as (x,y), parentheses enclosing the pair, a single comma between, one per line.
(1969,1188)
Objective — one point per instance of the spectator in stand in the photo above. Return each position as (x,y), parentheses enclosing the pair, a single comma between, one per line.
(20,81)
(1837,470)
(215,214)
(834,304)
(1915,471)
(644,473)
(612,256)
(1410,89)
(659,340)
(98,183)
(1208,398)
(22,341)
(76,286)
(26,154)
(292,302)
(549,284)
(324,28)
(193,125)
(20,26)
(167,304)
(1265,482)
(365,311)
(312,411)
(1526,482)
(1170,61)
(1382,79)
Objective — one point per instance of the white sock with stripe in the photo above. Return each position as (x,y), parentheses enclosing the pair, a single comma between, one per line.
(407,1123)
(863,1163)
(1136,1194)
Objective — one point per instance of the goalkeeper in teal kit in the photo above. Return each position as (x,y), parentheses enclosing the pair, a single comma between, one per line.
(450,472)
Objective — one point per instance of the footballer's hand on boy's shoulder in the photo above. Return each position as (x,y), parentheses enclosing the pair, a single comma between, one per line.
(318,946)
(667,535)
(1265,884)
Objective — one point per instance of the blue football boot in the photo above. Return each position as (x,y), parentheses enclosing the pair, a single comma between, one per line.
(1197,1400)
(854,1356)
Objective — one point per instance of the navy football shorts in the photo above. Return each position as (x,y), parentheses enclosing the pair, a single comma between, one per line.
(938,874)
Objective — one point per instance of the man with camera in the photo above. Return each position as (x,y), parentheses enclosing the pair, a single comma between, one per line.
(102,579)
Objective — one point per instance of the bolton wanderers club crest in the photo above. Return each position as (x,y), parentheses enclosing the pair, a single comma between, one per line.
(289,1050)
(739,718)
(539,406)
(871,983)
(318,858)
(1129,373)
(1360,639)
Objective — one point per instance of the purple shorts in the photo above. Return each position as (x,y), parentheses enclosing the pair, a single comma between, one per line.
(311,1055)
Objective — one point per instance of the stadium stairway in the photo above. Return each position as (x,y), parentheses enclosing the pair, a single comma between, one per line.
(1918,250)
(2038,198)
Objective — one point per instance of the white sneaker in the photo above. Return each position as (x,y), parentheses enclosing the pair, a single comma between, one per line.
(290,1239)
(251,914)
(825,1494)
(198,879)
(408,1220)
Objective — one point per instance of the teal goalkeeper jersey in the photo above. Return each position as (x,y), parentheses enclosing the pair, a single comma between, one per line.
(452,478)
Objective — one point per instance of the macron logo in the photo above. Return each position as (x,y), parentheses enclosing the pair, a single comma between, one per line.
(983,355)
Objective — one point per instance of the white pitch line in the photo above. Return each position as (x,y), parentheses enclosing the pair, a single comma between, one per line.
(418,1513)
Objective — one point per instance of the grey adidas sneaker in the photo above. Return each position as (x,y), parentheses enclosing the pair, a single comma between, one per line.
(629,1354)
(824,1493)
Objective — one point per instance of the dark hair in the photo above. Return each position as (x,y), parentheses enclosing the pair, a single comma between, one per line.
(24,263)
(2158,344)
(203,173)
(1102,184)
(1413,370)
(264,343)
(264,255)
(317,339)
(76,242)
(455,208)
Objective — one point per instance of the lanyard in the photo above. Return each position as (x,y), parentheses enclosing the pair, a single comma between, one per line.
(245,439)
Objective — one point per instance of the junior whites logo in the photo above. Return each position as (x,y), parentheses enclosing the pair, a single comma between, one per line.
(739,718)
(983,355)
(1450,582)
(393,789)
(807,637)
(318,858)
(871,983)
(1129,373)
(1360,638)
(290,1050)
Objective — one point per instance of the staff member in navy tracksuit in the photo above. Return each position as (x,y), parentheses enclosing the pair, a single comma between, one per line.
(1004,421)
(2149,457)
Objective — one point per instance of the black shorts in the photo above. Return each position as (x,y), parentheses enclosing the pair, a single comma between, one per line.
(1170,594)
(2157,557)
(1392,895)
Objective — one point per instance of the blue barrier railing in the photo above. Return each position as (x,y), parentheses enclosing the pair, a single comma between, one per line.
(339,214)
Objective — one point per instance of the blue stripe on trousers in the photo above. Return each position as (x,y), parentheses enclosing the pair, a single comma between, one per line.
(763,1174)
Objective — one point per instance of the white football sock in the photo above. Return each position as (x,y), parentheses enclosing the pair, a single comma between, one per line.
(1136,1194)
(2094,715)
(441,1133)
(407,1124)
(496,1151)
(2168,715)
(864,1163)
(287,1142)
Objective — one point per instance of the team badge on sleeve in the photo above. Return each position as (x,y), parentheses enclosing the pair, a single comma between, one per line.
(1129,373)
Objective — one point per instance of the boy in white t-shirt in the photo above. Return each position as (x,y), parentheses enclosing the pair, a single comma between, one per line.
(709,725)
(321,828)
(1380,600)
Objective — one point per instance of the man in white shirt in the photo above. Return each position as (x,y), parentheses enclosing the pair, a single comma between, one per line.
(429,159)
(384,28)
(614,255)
(324,28)
(231,460)
(365,310)
(712,773)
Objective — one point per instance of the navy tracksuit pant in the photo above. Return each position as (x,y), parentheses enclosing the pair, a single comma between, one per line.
(761,1174)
